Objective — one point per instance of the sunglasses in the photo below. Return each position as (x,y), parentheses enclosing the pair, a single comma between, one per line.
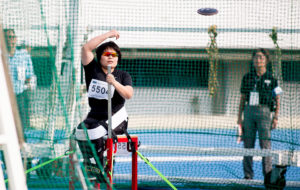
(108,54)
(258,57)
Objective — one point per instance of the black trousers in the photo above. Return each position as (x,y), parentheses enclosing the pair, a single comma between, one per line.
(95,150)
(257,119)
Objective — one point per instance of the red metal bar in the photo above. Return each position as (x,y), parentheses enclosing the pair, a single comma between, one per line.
(109,146)
(97,186)
(134,167)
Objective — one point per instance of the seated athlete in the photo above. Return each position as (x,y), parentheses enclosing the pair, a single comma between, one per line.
(97,80)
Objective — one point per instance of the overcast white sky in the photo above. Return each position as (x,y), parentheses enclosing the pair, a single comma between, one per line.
(163,23)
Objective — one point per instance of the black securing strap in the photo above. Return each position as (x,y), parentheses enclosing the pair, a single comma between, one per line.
(131,144)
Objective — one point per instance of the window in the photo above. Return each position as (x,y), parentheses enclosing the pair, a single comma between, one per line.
(167,73)
(291,71)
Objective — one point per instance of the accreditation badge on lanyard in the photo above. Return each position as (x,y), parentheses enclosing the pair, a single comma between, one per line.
(21,73)
(254,97)
(98,89)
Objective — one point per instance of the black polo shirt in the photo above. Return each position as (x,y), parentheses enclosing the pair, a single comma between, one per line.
(99,106)
(264,84)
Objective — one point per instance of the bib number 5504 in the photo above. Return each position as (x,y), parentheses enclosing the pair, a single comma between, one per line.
(98,89)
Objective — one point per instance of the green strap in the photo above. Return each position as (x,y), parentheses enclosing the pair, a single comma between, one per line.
(158,172)
(45,163)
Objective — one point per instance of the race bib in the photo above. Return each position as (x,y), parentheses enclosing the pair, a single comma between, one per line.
(21,73)
(254,99)
(99,90)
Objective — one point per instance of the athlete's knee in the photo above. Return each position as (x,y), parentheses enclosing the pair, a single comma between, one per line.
(90,138)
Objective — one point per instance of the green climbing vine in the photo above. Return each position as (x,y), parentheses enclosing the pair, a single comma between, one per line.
(213,52)
(276,66)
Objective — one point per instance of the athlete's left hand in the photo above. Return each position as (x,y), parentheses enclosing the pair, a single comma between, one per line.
(110,79)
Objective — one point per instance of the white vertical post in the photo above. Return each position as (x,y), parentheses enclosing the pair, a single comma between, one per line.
(8,135)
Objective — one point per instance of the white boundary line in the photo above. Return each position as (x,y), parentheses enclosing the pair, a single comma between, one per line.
(280,157)
(188,159)
(173,179)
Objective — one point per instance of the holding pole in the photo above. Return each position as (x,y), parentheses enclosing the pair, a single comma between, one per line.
(109,141)
(109,104)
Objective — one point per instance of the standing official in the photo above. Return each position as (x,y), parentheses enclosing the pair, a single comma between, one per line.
(260,96)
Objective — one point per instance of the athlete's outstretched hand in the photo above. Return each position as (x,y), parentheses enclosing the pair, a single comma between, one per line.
(114,33)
